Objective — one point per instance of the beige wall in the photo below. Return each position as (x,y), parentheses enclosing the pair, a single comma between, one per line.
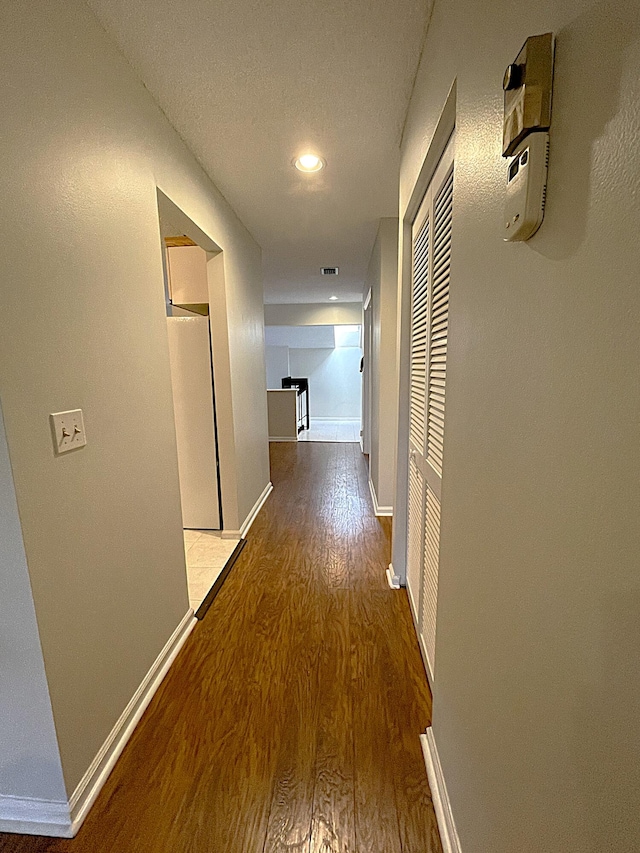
(313,314)
(382,280)
(82,151)
(536,714)
(237,335)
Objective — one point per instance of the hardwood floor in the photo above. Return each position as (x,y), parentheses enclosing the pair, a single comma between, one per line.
(290,719)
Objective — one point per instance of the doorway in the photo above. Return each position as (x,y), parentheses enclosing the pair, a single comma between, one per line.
(191,352)
(329,359)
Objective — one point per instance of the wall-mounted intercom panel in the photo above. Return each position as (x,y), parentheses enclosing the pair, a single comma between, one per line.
(526,187)
(528,85)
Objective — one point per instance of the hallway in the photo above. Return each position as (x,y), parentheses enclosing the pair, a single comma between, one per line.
(290,719)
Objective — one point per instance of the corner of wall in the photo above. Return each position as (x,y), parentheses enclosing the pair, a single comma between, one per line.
(223,386)
(31,768)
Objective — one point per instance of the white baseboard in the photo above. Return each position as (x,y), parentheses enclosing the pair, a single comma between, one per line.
(342,420)
(283,438)
(378,510)
(241,534)
(392,578)
(62,819)
(35,817)
(441,802)
(91,783)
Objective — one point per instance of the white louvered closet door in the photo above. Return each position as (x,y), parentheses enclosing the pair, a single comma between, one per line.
(431,261)
(417,402)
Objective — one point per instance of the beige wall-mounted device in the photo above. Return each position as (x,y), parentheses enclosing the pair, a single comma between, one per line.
(526,188)
(528,85)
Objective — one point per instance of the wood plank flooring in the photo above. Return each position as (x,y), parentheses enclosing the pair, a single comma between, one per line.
(290,719)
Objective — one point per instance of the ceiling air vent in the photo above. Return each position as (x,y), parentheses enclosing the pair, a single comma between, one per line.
(329,270)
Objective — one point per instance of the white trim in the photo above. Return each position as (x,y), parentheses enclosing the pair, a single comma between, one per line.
(439,795)
(378,510)
(91,783)
(35,817)
(241,534)
(63,820)
(392,578)
(283,438)
(444,128)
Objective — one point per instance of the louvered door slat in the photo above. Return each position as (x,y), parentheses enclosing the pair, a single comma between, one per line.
(440,310)
(440,230)
(420,268)
(438,323)
(419,338)
(430,575)
(444,252)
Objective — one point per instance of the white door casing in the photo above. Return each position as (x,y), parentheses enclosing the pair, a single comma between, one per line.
(365,439)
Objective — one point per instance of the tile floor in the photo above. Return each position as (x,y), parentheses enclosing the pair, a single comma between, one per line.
(331,430)
(207,554)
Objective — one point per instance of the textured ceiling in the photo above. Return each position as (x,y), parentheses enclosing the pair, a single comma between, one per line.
(249,85)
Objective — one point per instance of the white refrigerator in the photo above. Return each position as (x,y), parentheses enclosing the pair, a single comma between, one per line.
(193,402)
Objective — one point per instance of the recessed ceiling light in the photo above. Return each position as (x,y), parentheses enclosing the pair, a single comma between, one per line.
(309,163)
(333,298)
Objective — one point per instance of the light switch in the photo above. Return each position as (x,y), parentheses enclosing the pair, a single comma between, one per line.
(68,430)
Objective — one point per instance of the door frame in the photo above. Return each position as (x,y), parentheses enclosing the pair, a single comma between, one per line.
(181,222)
(365,439)
(444,129)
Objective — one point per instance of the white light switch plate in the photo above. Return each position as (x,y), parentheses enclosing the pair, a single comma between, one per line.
(68,430)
